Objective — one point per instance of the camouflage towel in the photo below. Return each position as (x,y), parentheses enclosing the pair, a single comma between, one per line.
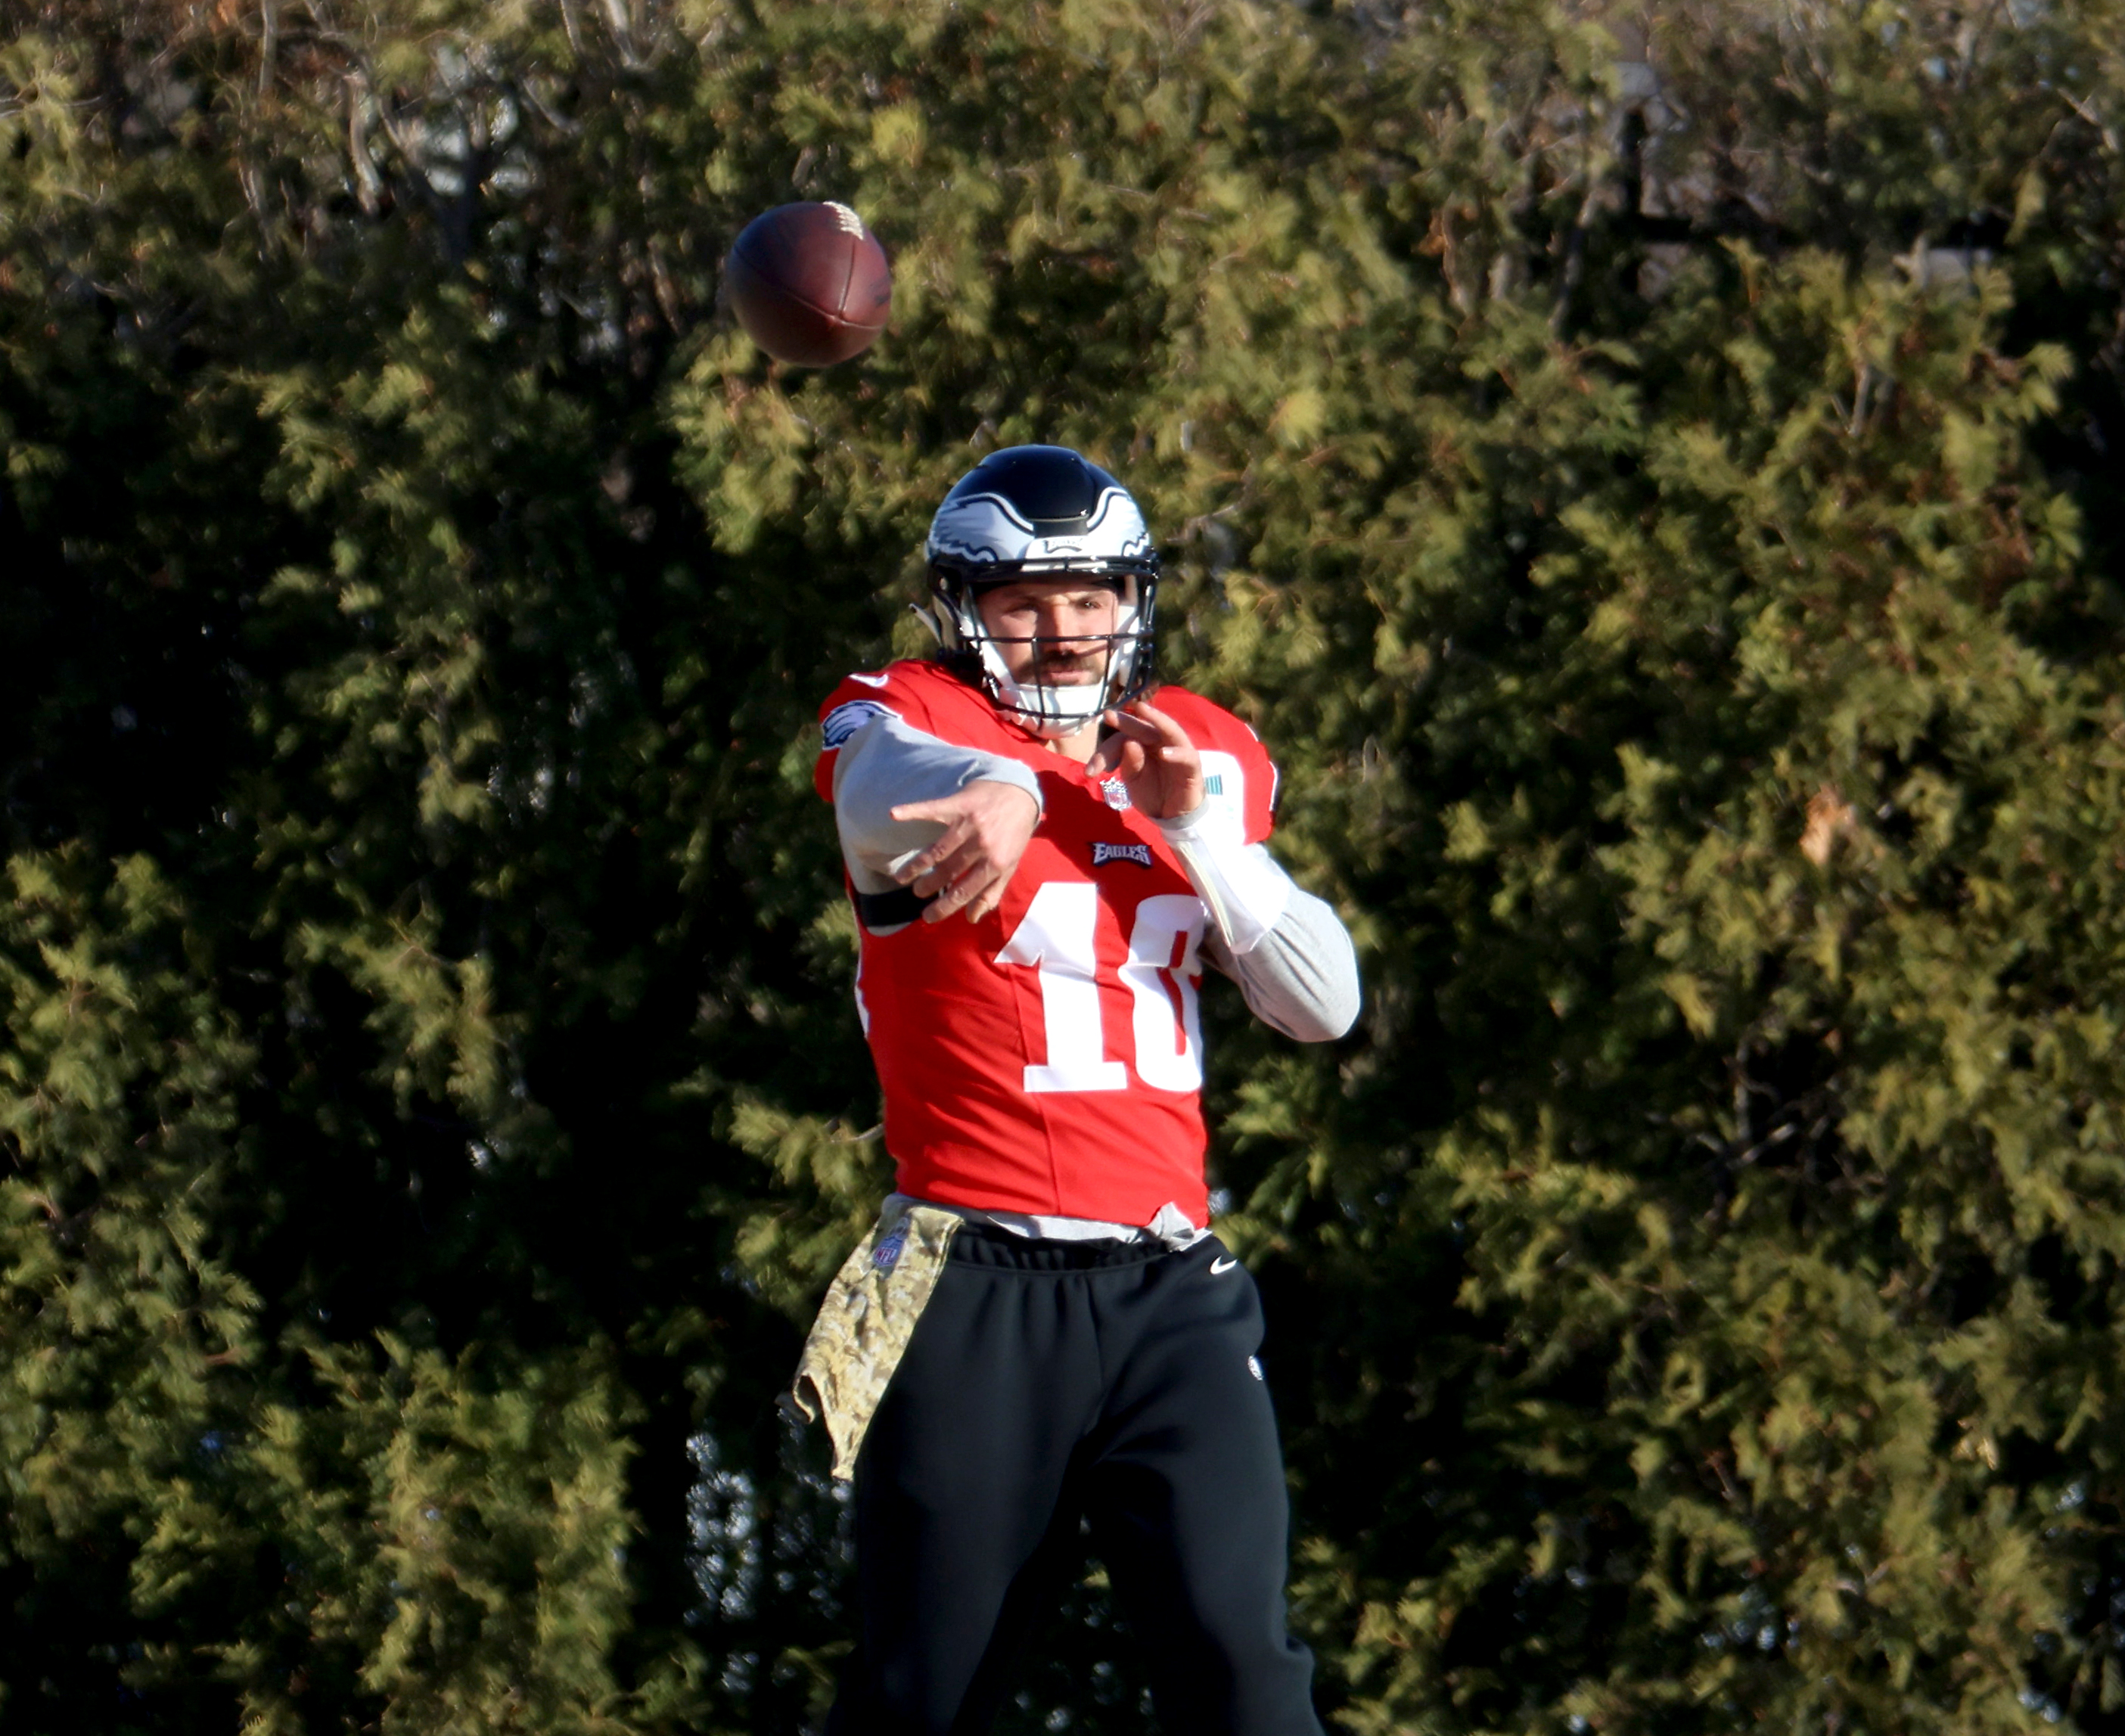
(865,1322)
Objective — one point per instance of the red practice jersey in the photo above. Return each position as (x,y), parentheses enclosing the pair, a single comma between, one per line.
(1049,1058)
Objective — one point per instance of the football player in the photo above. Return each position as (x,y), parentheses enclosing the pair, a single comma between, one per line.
(1044,849)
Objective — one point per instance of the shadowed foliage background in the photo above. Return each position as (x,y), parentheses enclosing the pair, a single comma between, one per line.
(1651,475)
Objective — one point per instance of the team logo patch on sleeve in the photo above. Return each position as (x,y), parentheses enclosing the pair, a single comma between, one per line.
(1103,854)
(844,721)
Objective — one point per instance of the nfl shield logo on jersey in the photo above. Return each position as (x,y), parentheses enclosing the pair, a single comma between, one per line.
(1115,794)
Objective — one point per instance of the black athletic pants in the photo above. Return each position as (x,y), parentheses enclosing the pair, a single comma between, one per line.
(1047,1380)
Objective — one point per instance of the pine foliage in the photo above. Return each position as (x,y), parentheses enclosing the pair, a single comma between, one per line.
(1649,477)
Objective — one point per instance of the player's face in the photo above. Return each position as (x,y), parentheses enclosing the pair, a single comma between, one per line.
(1053,632)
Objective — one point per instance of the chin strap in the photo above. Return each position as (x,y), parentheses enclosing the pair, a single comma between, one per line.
(1051,713)
(937,629)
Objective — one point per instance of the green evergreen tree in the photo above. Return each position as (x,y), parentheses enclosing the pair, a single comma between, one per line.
(1649,478)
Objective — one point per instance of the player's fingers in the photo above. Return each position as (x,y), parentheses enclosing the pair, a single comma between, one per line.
(1172,739)
(1130,728)
(1155,738)
(983,866)
(979,855)
(992,841)
(960,891)
(973,878)
(925,862)
(947,808)
(991,898)
(946,904)
(941,874)
(1003,863)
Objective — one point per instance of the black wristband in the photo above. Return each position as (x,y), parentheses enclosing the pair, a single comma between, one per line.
(889,910)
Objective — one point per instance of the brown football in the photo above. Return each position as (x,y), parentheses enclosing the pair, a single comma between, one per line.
(809,283)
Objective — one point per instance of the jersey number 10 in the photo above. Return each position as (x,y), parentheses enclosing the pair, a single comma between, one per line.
(1058,938)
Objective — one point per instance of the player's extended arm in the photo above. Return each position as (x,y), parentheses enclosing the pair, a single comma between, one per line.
(888,765)
(1288,950)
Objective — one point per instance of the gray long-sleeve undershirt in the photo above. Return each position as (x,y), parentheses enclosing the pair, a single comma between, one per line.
(1298,974)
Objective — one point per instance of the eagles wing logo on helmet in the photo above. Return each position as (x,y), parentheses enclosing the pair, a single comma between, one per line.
(984,530)
(979,528)
(1034,512)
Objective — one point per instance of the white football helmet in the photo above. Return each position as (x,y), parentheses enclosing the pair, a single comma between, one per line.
(1042,512)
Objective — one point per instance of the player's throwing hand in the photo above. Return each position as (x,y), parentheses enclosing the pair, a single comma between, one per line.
(988,827)
(1152,756)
